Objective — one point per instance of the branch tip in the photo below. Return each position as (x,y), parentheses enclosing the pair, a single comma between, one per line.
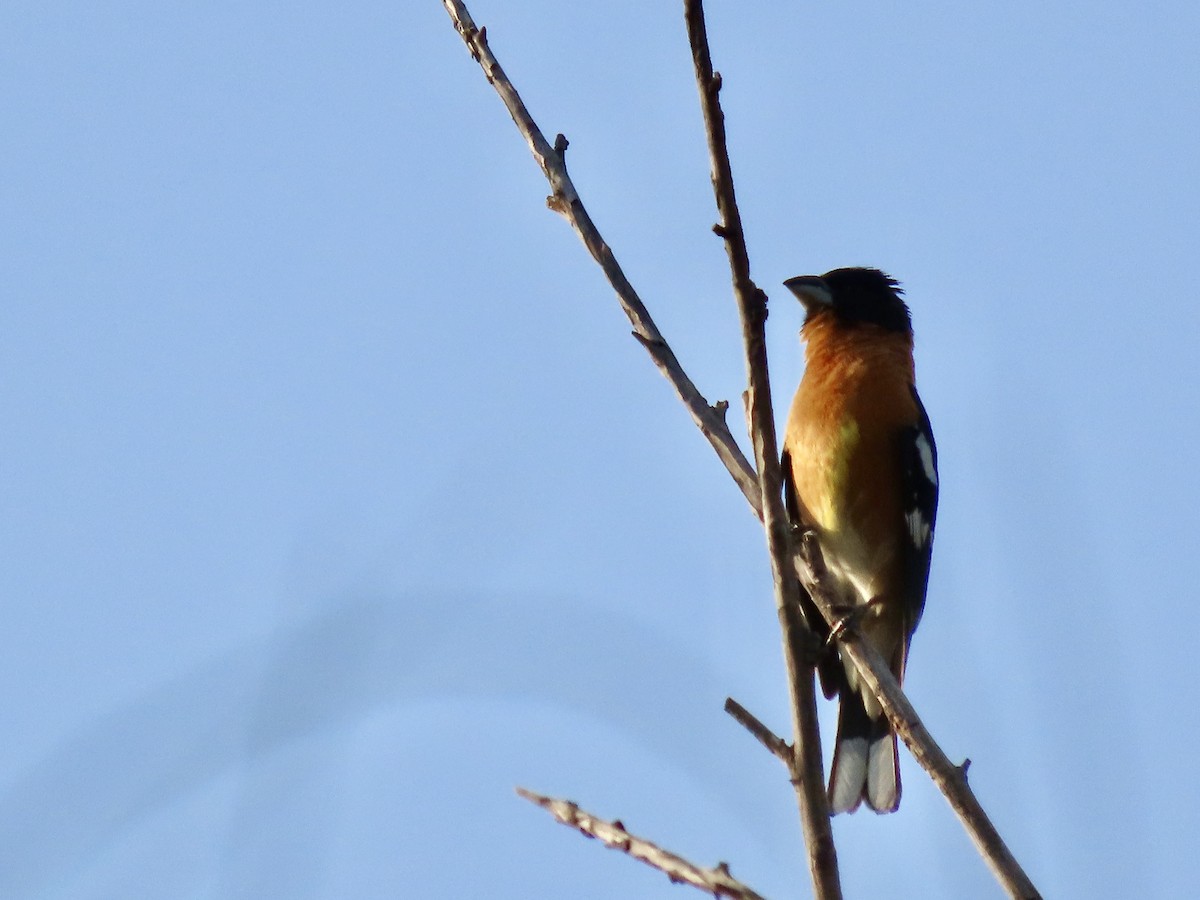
(777,746)
(716,881)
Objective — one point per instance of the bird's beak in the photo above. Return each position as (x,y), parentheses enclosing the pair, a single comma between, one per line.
(812,291)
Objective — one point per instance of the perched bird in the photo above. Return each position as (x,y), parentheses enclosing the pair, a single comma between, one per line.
(860,470)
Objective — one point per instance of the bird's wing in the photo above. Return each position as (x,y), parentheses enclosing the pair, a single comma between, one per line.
(920,476)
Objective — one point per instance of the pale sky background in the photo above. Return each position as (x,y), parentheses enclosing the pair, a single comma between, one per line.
(336,499)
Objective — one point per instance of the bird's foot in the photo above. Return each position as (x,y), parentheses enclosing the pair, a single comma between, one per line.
(850,617)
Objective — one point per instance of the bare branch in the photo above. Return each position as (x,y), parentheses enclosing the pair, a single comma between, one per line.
(565,200)
(711,422)
(808,771)
(716,881)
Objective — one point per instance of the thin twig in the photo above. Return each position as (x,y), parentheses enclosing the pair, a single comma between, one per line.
(808,768)
(716,881)
(764,735)
(712,425)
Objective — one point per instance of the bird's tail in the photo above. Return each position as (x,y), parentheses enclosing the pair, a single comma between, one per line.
(865,761)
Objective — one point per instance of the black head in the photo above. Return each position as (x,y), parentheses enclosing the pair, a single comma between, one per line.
(856,296)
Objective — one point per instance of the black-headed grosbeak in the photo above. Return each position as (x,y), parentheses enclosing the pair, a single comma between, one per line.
(860,470)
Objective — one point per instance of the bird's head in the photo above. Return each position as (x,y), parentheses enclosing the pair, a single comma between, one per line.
(854,296)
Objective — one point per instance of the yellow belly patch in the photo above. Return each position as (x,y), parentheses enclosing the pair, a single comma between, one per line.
(837,472)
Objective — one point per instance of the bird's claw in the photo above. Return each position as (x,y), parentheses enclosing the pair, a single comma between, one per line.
(850,617)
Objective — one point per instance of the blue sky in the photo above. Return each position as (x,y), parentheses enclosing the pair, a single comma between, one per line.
(337,500)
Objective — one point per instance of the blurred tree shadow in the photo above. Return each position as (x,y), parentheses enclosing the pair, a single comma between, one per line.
(338,668)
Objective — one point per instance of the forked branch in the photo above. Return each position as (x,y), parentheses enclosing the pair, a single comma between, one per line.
(710,420)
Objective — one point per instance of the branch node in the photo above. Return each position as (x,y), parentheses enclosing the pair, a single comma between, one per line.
(474,37)
(717,82)
(560,146)
(651,344)
(721,407)
(963,766)
(720,231)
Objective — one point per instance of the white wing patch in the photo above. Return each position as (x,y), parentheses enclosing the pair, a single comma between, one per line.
(918,527)
(925,451)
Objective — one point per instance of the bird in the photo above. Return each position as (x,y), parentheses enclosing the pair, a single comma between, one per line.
(860,471)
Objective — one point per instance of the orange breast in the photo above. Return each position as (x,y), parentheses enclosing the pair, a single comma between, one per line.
(843,437)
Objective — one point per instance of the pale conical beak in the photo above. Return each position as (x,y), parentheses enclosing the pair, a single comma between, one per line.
(812,291)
